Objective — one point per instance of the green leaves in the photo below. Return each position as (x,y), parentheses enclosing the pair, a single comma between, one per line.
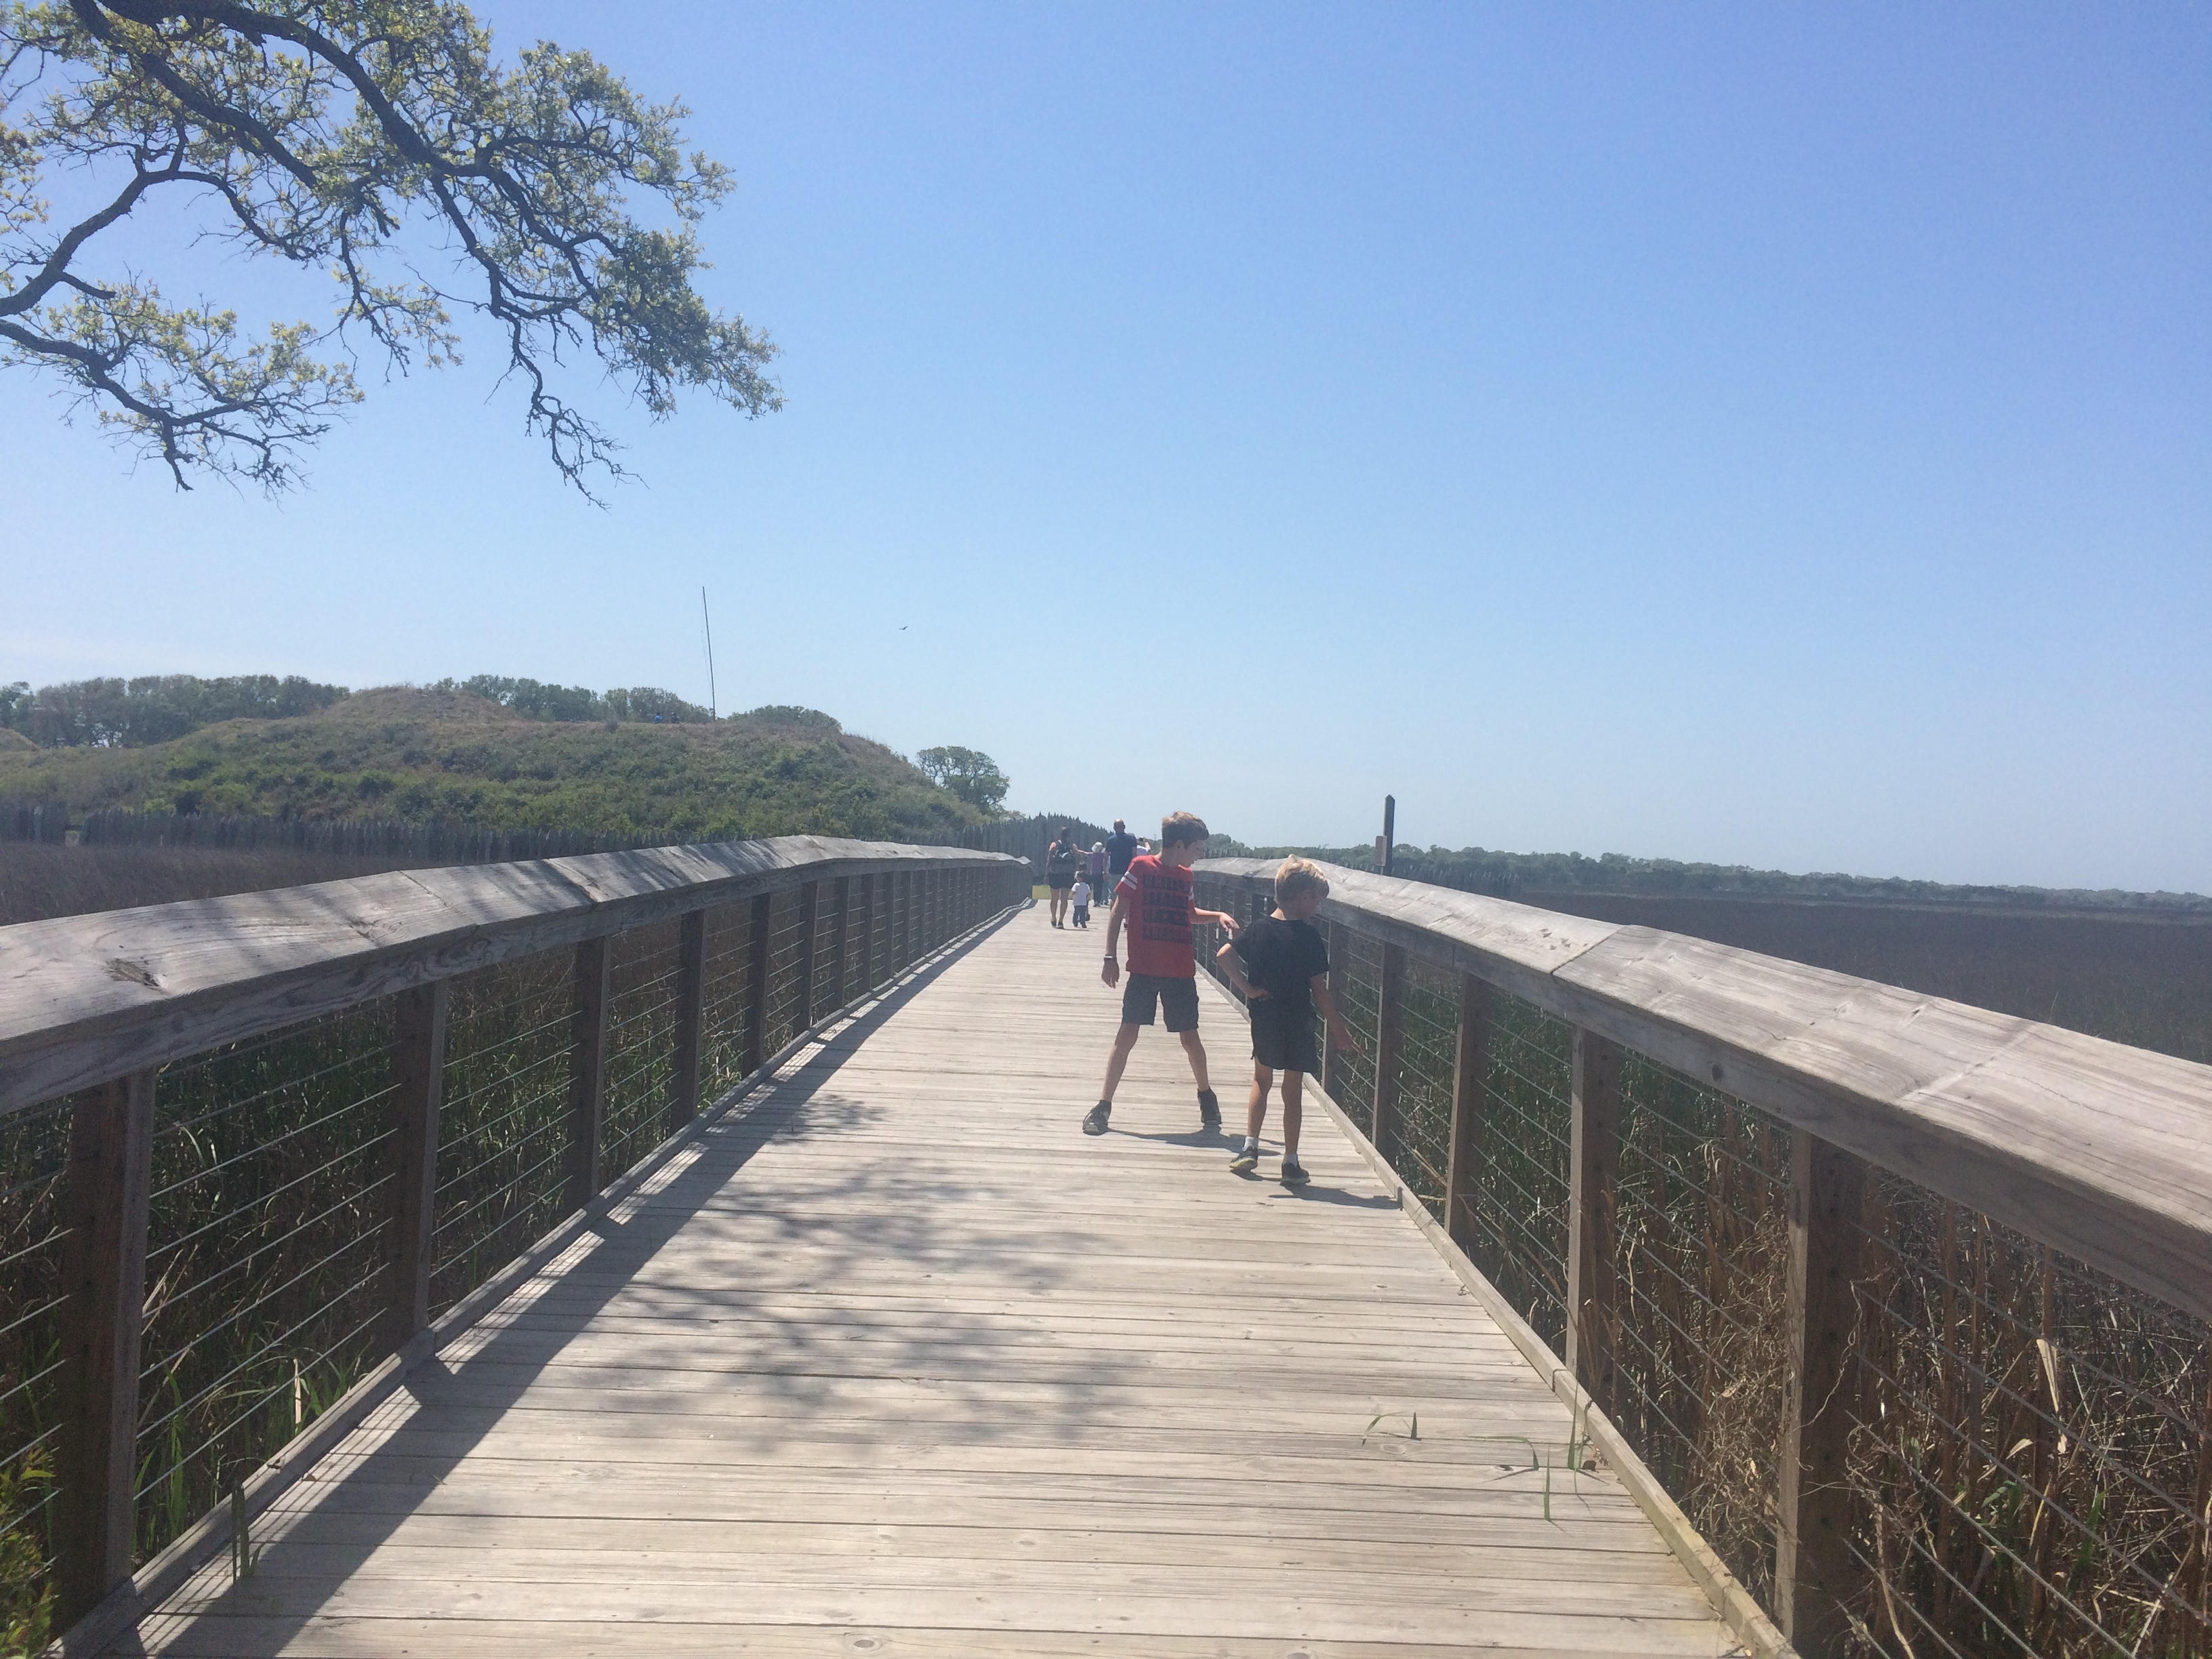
(317,131)
(968,772)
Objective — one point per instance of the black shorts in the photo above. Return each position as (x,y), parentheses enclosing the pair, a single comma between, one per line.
(1178,996)
(1061,883)
(1283,1039)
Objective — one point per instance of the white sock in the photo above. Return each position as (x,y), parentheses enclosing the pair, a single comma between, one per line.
(1251,1144)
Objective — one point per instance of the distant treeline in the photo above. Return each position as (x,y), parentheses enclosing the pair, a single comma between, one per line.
(539,701)
(129,713)
(120,713)
(1530,875)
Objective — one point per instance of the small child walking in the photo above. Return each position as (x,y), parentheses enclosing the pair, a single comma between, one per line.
(1280,964)
(1080,893)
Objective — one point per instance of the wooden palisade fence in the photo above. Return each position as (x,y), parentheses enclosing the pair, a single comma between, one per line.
(1894,1312)
(254,1146)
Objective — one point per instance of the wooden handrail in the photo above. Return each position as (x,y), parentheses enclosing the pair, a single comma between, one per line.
(92,1006)
(86,1000)
(2092,1148)
(2097,1149)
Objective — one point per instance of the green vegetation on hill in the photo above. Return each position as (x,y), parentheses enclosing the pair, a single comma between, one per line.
(116,712)
(446,753)
(128,713)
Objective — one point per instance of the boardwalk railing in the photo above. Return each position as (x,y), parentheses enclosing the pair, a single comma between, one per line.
(1903,1302)
(250,1147)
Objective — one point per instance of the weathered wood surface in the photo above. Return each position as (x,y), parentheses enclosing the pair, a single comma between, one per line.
(85,998)
(899,1362)
(2099,1150)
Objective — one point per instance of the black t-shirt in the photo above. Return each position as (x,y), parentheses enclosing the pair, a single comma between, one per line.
(1282,958)
(1120,847)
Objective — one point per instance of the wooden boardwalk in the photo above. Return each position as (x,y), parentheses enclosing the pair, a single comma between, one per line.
(895,1361)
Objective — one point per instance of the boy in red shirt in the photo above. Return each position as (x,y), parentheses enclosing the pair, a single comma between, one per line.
(1154,901)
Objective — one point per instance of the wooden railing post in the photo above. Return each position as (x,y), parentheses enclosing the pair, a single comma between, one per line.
(1593,1178)
(690,999)
(1812,1570)
(841,938)
(1470,1077)
(902,903)
(867,934)
(419,1071)
(110,1181)
(1340,953)
(587,1076)
(760,917)
(809,906)
(1390,1048)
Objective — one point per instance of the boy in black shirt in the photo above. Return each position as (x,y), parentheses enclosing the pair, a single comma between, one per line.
(1281,966)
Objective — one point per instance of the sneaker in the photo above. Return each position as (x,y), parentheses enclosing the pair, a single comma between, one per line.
(1294,1174)
(1245,1162)
(1209,1109)
(1094,1121)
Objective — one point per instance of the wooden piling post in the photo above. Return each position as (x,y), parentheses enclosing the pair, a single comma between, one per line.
(690,997)
(810,904)
(418,1070)
(1593,1178)
(1812,1566)
(761,917)
(1389,1050)
(841,938)
(109,1182)
(588,1074)
(1339,952)
(1470,1077)
(867,934)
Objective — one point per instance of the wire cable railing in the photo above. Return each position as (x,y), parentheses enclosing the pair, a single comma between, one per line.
(1890,1419)
(332,1152)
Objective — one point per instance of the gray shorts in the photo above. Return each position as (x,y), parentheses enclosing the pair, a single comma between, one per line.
(1179,997)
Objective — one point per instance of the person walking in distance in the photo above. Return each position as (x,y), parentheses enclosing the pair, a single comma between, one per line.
(1059,872)
(1153,902)
(1080,893)
(1120,847)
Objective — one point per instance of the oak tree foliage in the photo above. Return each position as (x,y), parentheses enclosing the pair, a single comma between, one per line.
(321,132)
(968,772)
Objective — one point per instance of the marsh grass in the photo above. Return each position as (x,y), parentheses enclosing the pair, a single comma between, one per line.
(1697,1341)
(2031,1461)
(34,1156)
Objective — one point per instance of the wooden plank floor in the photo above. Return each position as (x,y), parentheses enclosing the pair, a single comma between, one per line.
(898,1362)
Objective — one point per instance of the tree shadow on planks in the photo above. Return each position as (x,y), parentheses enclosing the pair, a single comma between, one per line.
(322,1531)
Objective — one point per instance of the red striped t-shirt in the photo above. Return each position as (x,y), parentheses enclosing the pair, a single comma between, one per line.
(1160,908)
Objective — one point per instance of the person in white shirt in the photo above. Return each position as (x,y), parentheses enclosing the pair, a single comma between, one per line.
(1080,893)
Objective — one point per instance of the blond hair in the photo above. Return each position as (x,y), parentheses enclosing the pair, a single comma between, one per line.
(1299,876)
(1180,829)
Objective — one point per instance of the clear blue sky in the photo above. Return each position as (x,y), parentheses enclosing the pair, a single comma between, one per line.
(1776,434)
